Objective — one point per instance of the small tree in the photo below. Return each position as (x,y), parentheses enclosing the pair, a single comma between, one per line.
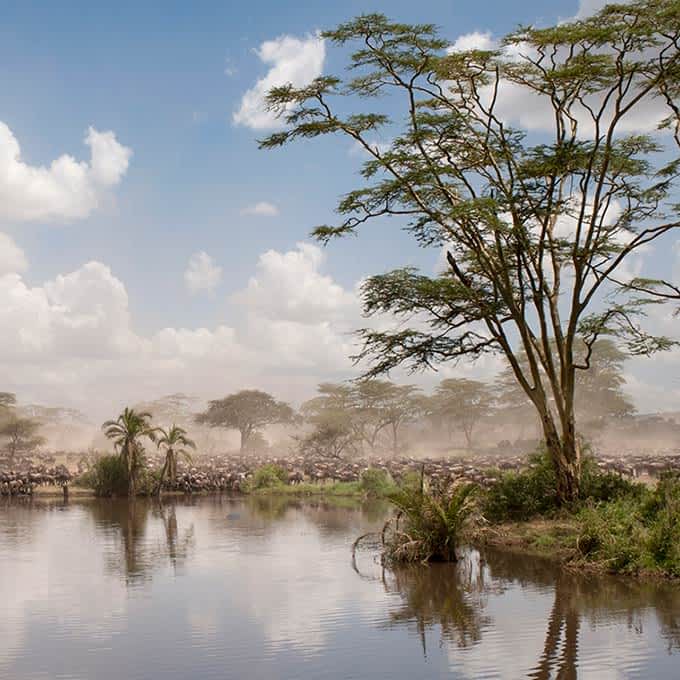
(462,403)
(127,432)
(336,432)
(21,437)
(175,442)
(246,411)
(8,401)
(536,228)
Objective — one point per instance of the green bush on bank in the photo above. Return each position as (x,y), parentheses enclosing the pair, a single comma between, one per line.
(429,523)
(107,477)
(640,532)
(267,477)
(530,493)
(376,483)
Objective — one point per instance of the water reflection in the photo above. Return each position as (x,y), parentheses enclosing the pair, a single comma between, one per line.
(454,599)
(265,587)
(143,535)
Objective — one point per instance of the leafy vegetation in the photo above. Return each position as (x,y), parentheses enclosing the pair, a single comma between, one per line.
(127,432)
(247,411)
(267,477)
(107,477)
(524,495)
(634,533)
(535,250)
(429,522)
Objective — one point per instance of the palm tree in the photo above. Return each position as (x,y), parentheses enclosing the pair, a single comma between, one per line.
(174,440)
(126,432)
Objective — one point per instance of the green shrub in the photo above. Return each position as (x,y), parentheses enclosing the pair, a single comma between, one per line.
(375,482)
(430,522)
(634,532)
(107,477)
(598,485)
(611,533)
(268,476)
(521,496)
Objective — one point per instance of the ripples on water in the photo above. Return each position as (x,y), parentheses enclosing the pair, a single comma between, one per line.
(265,588)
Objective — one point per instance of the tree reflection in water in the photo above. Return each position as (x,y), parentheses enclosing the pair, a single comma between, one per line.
(141,548)
(454,598)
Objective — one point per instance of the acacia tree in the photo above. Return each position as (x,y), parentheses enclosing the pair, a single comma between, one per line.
(127,432)
(599,393)
(536,226)
(21,436)
(335,431)
(247,411)
(462,403)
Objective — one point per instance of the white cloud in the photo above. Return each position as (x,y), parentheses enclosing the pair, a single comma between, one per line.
(290,287)
(66,189)
(587,8)
(12,258)
(83,314)
(261,209)
(71,340)
(202,273)
(291,60)
(473,41)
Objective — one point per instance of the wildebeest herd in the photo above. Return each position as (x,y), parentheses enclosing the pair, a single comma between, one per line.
(230,472)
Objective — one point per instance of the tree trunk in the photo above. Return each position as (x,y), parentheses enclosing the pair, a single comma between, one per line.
(244,439)
(162,477)
(565,455)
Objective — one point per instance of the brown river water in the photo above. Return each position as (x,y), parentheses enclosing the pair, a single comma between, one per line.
(266,588)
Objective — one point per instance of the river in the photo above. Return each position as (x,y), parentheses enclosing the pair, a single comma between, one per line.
(216,587)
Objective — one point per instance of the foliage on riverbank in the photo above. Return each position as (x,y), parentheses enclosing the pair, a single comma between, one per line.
(273,480)
(529,493)
(108,477)
(617,525)
(429,522)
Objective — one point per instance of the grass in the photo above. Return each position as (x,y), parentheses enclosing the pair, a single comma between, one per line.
(429,521)
(273,480)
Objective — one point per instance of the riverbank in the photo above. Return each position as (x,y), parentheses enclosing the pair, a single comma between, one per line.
(557,540)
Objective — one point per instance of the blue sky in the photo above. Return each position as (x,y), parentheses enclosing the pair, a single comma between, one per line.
(166,78)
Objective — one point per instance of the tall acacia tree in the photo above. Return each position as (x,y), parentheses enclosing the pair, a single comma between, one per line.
(247,411)
(536,226)
(127,432)
(462,402)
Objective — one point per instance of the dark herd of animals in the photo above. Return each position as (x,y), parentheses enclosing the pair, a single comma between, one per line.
(229,473)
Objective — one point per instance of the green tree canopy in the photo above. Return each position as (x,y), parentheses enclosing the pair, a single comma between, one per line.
(536,227)
(127,432)
(20,436)
(462,403)
(247,411)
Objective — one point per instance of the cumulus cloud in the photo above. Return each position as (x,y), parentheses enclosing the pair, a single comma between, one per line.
(290,60)
(261,209)
(82,314)
(71,340)
(473,41)
(66,189)
(202,273)
(12,258)
(291,287)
